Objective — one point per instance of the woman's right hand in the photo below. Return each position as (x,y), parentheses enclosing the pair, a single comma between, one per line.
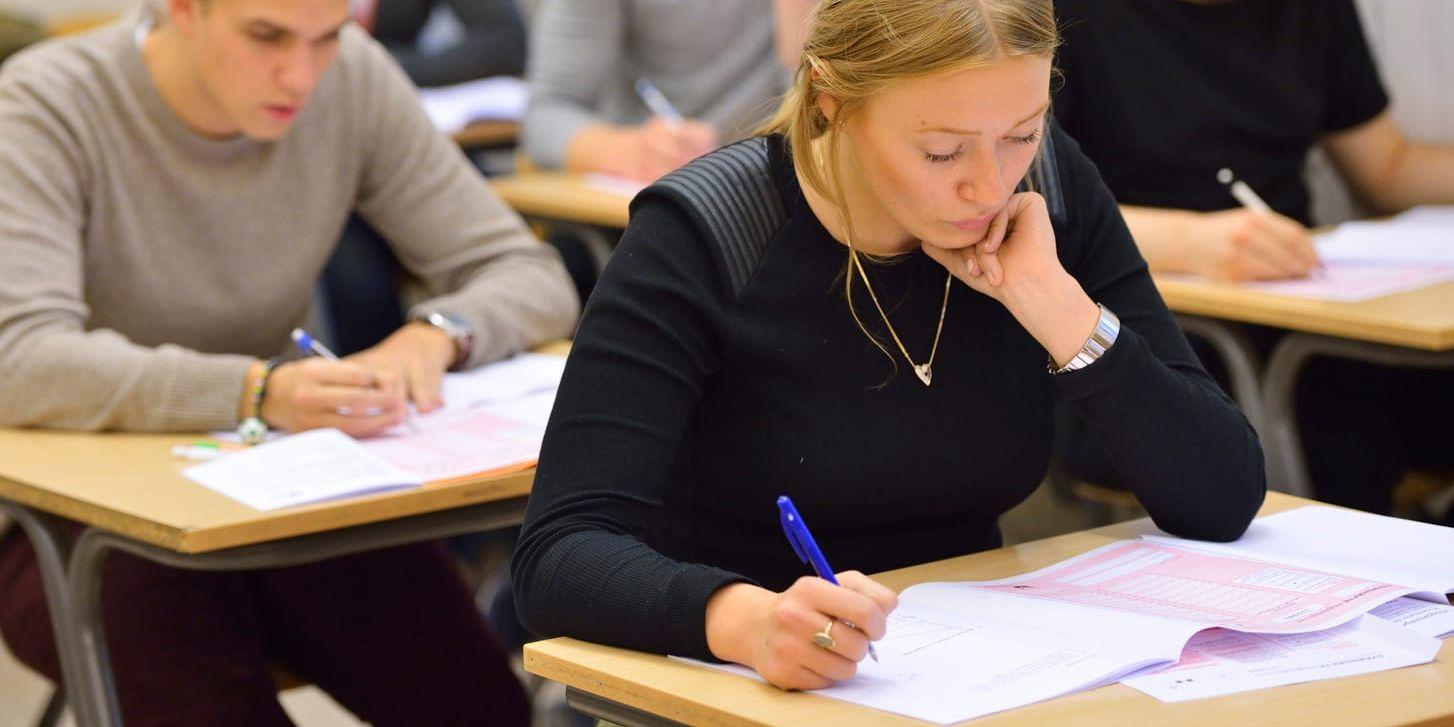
(1240,244)
(313,393)
(773,632)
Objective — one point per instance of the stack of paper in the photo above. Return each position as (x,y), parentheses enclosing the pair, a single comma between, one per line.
(492,423)
(452,108)
(1229,617)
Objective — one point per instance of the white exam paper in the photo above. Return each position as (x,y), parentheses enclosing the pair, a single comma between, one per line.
(451,108)
(1219,661)
(303,468)
(1429,619)
(519,376)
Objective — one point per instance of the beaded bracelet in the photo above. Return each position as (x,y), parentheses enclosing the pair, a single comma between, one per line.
(253,430)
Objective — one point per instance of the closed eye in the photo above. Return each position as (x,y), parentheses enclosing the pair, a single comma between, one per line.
(942,158)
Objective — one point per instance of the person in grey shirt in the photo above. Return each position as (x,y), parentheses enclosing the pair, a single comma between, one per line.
(170,187)
(716,62)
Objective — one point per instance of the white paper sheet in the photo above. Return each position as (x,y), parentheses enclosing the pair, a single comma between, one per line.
(304,468)
(985,655)
(1372,547)
(1219,661)
(1423,238)
(519,376)
(1429,619)
(452,108)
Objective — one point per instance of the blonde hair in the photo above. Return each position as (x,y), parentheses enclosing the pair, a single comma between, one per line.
(856,48)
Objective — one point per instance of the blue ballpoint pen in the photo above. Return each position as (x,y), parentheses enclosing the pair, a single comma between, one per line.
(806,547)
(310,346)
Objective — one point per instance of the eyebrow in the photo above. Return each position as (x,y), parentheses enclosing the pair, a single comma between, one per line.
(264,26)
(967,132)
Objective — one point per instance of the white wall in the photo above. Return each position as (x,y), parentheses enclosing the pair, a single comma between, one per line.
(1411,42)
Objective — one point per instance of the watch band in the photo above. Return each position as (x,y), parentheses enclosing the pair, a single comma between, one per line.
(456,328)
(1108,328)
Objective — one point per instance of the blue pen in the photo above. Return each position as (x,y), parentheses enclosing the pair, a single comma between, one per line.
(806,547)
(656,101)
(310,346)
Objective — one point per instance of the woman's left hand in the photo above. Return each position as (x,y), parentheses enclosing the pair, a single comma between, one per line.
(1017,249)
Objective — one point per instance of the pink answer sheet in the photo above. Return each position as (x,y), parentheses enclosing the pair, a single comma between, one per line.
(1348,281)
(1234,593)
(455,443)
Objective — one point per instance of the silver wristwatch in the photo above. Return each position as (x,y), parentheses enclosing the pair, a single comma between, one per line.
(1108,327)
(456,328)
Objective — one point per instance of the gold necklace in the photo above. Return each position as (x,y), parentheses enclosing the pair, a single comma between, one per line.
(925,371)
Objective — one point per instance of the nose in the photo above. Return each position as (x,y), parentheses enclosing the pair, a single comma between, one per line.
(983,183)
(299,71)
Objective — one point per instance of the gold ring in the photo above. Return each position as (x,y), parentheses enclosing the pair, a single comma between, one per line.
(825,638)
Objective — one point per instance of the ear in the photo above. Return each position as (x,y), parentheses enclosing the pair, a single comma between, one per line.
(185,14)
(827,105)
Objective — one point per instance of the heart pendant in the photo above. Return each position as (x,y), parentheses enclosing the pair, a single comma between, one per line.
(925,373)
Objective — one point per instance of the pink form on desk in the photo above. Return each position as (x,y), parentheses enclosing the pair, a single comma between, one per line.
(1235,593)
(454,443)
(1354,280)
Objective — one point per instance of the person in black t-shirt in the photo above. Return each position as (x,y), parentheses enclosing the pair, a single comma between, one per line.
(886,370)
(1163,93)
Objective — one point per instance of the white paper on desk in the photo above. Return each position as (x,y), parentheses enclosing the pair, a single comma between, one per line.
(451,108)
(519,376)
(1428,215)
(1371,547)
(1420,239)
(1429,619)
(314,466)
(1219,661)
(954,653)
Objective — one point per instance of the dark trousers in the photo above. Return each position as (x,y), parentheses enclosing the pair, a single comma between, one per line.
(392,635)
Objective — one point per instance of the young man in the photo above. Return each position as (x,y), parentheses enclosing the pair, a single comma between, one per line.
(170,188)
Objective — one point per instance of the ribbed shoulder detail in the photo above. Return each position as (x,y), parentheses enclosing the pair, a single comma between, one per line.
(730,196)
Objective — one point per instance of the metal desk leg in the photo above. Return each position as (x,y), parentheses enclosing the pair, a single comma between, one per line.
(613,712)
(1243,363)
(95,698)
(52,546)
(1280,391)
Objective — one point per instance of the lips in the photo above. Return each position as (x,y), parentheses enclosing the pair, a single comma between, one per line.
(281,112)
(973,224)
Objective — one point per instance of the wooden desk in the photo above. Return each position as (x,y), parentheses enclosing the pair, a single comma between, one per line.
(659,691)
(481,134)
(562,197)
(130,484)
(129,489)
(1421,319)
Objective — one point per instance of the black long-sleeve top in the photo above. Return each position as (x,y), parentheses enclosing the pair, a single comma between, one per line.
(685,411)
(493,42)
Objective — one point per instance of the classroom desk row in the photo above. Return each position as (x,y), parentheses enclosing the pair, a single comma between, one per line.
(1413,329)
(129,492)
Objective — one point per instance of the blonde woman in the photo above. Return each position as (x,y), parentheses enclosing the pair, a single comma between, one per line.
(861,311)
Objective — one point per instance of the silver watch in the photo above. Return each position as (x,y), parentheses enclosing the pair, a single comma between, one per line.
(458,330)
(1108,327)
